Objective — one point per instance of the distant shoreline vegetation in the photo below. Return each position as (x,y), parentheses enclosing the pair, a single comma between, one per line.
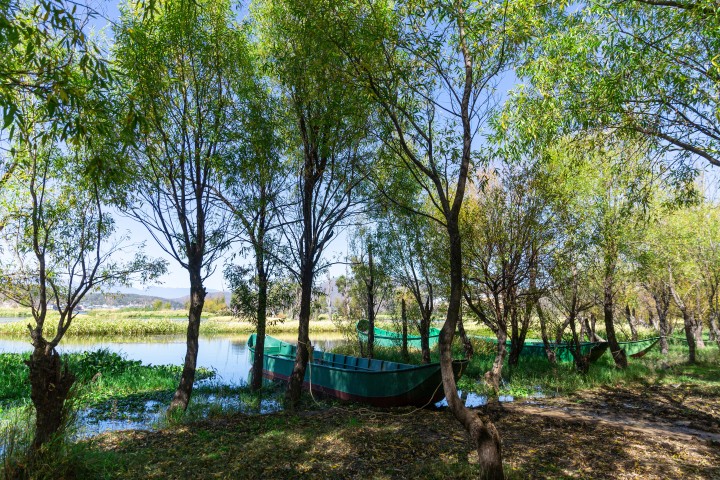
(123,323)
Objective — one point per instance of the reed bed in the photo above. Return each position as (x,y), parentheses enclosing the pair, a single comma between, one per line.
(86,326)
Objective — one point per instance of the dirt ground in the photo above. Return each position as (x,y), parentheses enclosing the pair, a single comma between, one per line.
(648,432)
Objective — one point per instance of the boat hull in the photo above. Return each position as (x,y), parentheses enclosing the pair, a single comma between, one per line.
(563,353)
(374,382)
(639,348)
(384,338)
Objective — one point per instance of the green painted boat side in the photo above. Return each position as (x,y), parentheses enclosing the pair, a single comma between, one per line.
(376,382)
(683,341)
(638,348)
(385,338)
(536,349)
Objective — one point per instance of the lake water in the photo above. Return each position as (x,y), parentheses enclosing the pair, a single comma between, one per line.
(227,355)
(15,319)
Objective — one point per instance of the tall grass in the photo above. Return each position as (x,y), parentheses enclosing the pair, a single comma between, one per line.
(55,459)
(85,326)
(101,376)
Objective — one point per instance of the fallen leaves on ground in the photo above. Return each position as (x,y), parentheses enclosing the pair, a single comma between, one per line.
(363,443)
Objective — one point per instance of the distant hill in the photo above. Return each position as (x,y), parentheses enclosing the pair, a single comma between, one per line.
(210,295)
(160,292)
(126,300)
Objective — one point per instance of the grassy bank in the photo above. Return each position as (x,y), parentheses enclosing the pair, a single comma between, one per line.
(536,375)
(85,326)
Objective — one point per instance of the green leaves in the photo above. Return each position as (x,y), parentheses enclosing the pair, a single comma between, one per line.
(49,61)
(633,67)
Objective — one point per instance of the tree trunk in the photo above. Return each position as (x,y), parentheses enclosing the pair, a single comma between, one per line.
(561,332)
(50,384)
(519,332)
(467,344)
(516,345)
(484,436)
(257,368)
(631,321)
(590,329)
(582,364)
(302,355)
(425,335)
(617,353)
(181,399)
(662,305)
(494,375)
(370,284)
(689,322)
(698,332)
(403,317)
(515,350)
(549,351)
(653,321)
(714,327)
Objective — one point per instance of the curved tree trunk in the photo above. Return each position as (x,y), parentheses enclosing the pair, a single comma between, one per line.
(714,327)
(560,332)
(181,399)
(493,376)
(688,322)
(662,299)
(698,332)
(484,435)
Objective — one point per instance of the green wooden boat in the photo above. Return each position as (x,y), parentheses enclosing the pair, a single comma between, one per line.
(385,338)
(534,348)
(638,348)
(675,340)
(376,382)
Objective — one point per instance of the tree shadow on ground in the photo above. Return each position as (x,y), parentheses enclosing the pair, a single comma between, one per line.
(353,442)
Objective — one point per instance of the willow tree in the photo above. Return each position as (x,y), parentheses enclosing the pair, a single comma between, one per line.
(179,66)
(370,274)
(60,245)
(256,176)
(685,259)
(504,237)
(49,61)
(49,58)
(408,253)
(432,68)
(642,66)
(327,132)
